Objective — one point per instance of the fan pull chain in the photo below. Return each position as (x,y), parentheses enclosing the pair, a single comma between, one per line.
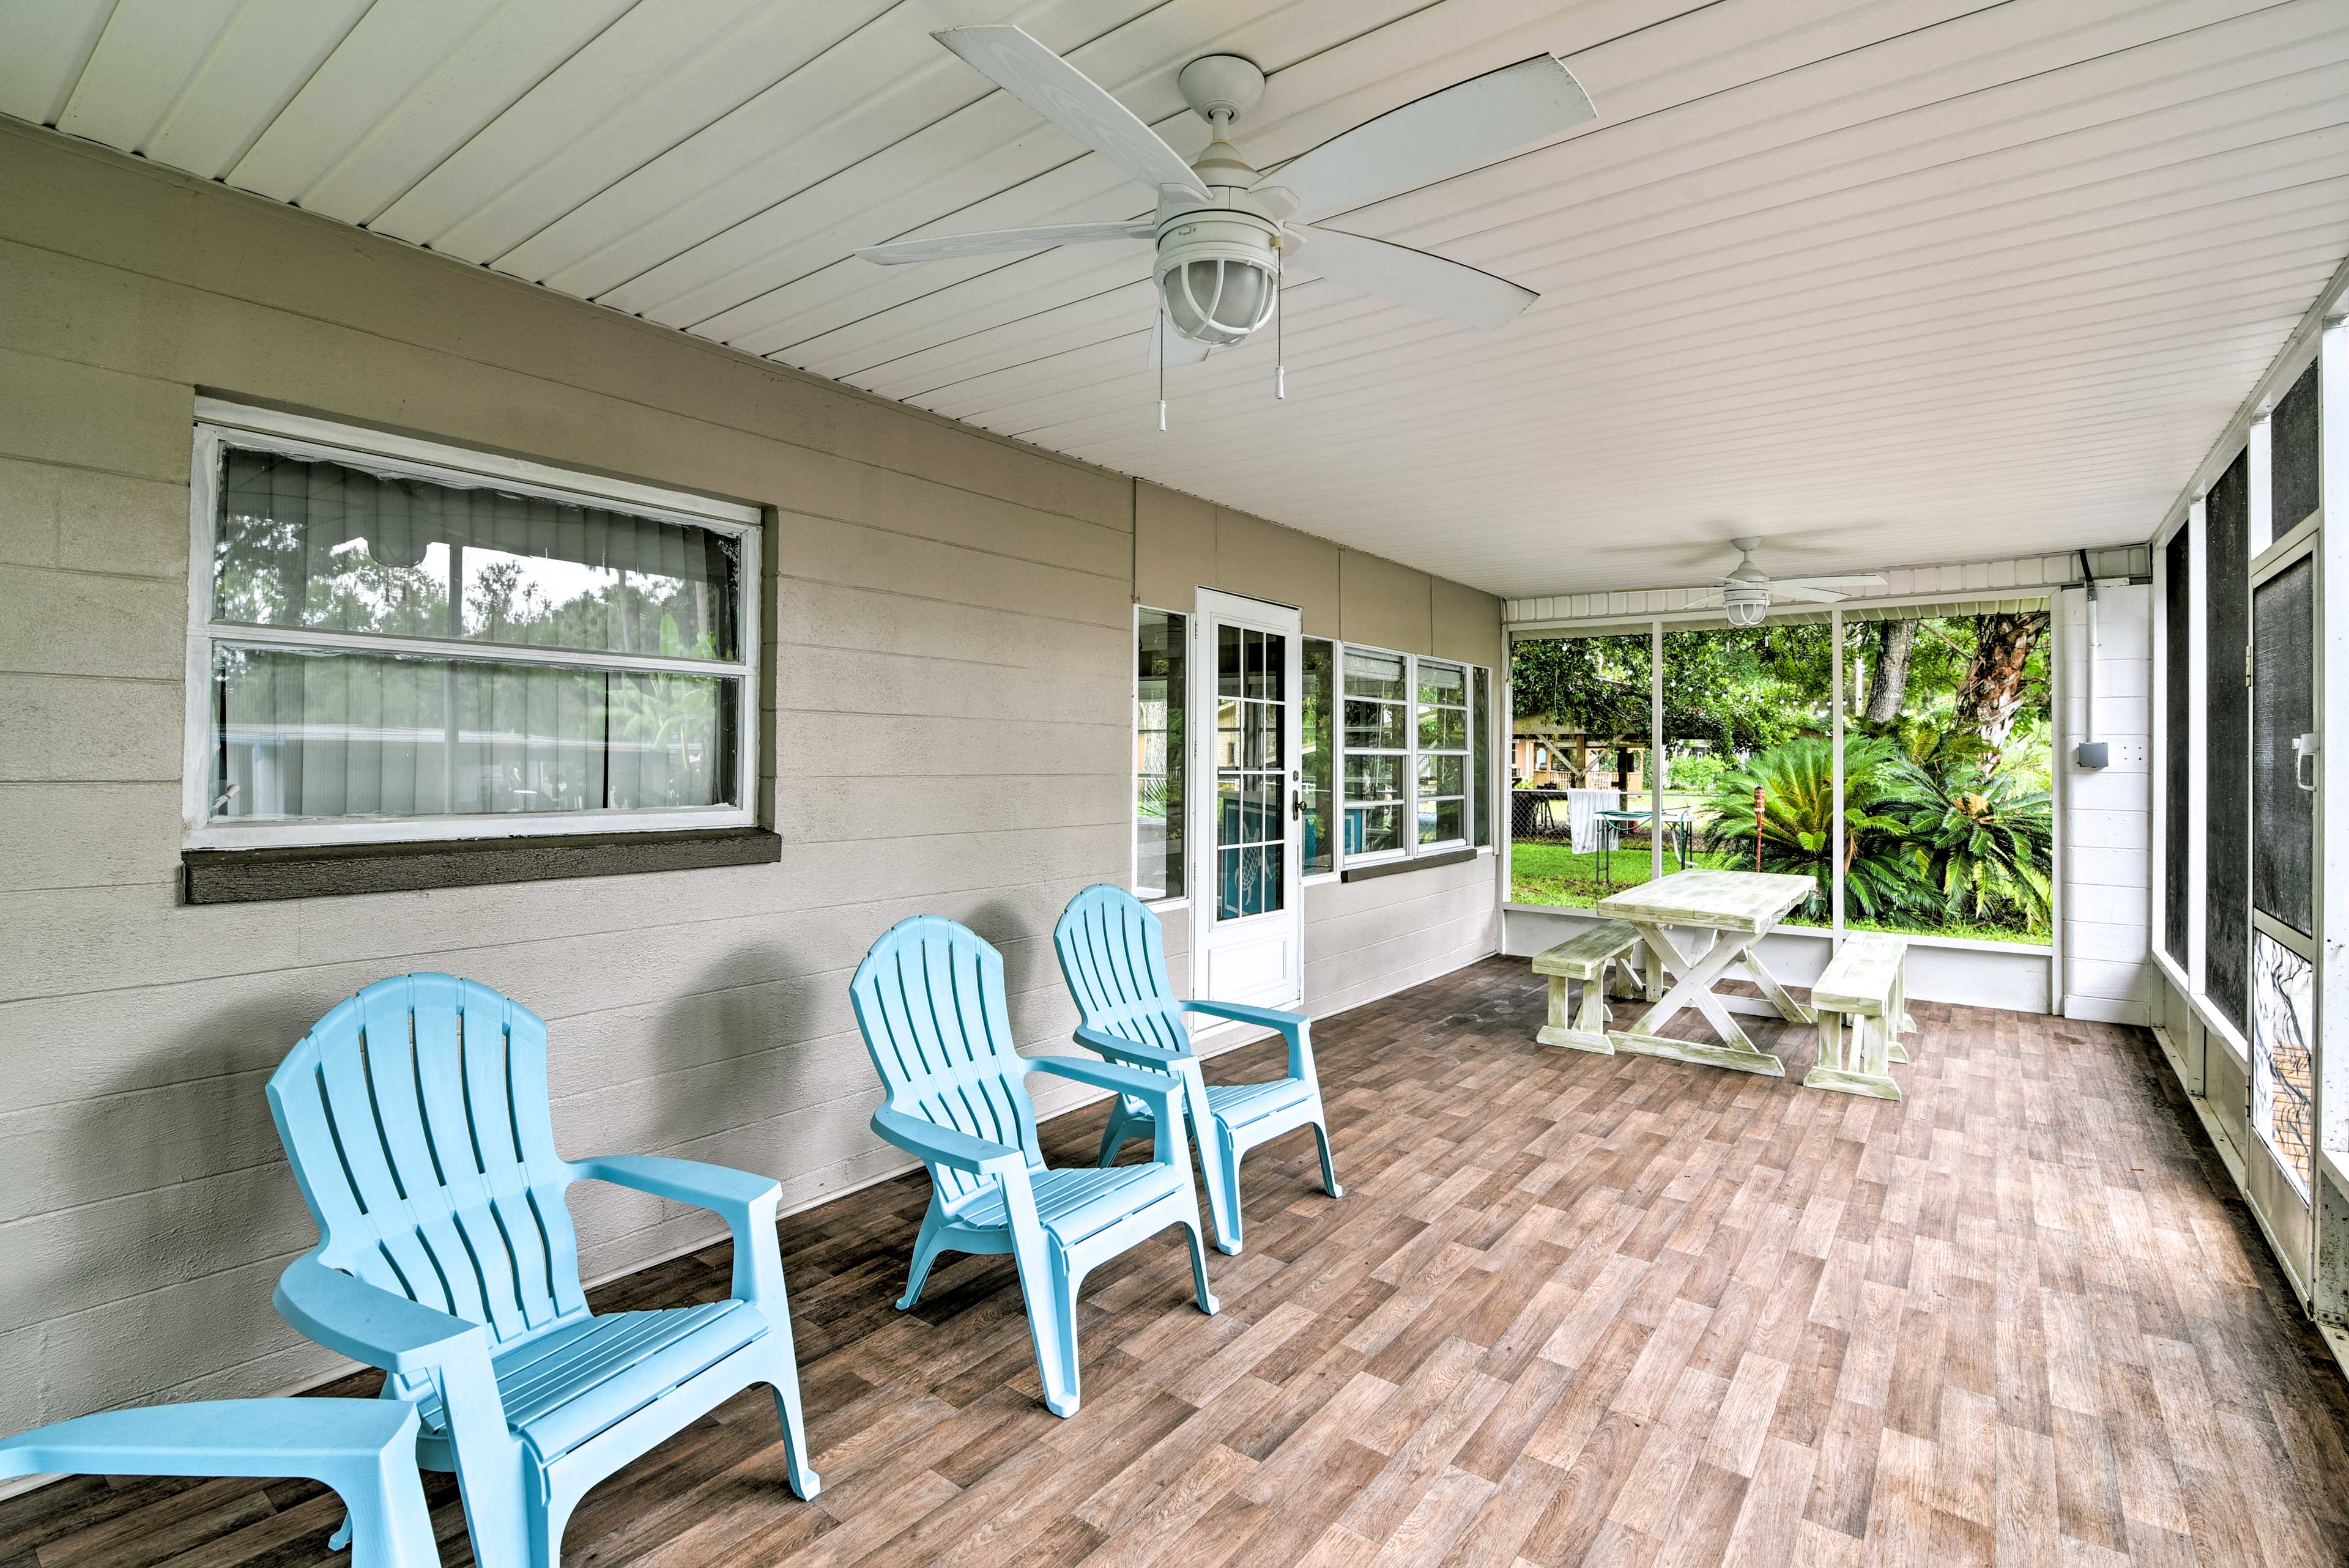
(1279,321)
(1162,372)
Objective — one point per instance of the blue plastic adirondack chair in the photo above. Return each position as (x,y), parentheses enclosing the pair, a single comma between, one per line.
(1114,960)
(416,1118)
(929,998)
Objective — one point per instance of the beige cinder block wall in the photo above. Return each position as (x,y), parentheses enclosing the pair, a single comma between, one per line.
(947,731)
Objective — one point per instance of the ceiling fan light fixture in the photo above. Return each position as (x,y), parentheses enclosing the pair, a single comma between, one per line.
(1216,277)
(1746,606)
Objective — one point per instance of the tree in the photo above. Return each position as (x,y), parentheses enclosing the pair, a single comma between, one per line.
(1996,684)
(1887,681)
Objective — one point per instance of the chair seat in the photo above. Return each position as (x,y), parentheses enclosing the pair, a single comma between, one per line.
(1074,1204)
(567,1384)
(1237,1104)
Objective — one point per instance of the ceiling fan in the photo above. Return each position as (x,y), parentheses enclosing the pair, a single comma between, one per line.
(1223,232)
(1744,595)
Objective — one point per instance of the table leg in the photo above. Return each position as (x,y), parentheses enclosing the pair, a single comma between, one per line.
(1789,1008)
(1692,989)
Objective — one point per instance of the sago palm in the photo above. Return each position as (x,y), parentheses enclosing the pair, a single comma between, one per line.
(1983,843)
(1797,827)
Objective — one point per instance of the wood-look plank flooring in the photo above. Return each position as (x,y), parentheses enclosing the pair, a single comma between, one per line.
(1573,1310)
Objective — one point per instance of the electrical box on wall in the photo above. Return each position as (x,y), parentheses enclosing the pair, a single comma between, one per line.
(2093,754)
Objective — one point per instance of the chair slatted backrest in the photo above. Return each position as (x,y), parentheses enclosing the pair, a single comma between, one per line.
(415,1115)
(1114,957)
(929,998)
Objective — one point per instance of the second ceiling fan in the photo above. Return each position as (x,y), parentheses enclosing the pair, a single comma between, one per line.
(1223,231)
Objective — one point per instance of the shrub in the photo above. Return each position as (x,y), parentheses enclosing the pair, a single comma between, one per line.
(1797,782)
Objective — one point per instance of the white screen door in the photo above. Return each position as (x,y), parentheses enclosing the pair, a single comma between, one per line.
(1247,928)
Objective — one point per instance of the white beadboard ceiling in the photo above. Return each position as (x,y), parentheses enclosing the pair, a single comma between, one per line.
(1896,280)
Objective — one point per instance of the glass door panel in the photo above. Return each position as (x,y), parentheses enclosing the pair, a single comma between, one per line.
(1251,767)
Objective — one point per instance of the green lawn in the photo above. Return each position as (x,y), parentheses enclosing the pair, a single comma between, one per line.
(1554,874)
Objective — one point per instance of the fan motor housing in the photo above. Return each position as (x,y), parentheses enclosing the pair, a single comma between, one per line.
(1218,272)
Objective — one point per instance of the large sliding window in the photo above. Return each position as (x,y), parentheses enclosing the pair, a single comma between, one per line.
(1160,696)
(394,639)
(1933,817)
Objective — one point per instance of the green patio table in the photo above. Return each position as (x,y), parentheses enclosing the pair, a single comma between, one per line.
(1738,909)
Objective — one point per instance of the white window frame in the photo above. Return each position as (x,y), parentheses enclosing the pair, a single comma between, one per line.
(1410,754)
(220,423)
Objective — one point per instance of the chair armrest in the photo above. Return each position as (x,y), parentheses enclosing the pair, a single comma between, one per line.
(721,1188)
(745,1201)
(1162,1091)
(368,1323)
(1117,1047)
(1296,1026)
(949,1147)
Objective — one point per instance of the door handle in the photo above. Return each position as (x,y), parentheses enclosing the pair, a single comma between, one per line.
(2304,748)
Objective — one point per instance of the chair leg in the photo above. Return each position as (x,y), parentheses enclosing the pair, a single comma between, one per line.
(1207,1298)
(1049,1293)
(1223,1185)
(925,1253)
(1328,1167)
(1217,1162)
(391,1527)
(784,1378)
(1123,1125)
(546,1525)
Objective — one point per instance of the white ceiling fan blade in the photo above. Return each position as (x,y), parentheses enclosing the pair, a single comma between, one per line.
(1448,132)
(1074,101)
(1805,595)
(1778,583)
(946,247)
(1710,596)
(1171,347)
(1414,278)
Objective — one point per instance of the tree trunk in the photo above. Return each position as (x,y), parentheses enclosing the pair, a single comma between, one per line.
(1888,685)
(1991,696)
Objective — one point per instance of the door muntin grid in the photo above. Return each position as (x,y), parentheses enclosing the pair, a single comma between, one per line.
(1251,771)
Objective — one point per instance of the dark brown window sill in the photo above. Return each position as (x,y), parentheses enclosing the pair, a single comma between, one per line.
(328,870)
(1408,863)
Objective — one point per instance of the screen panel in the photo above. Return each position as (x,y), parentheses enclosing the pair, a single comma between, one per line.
(2226,877)
(2283,706)
(2178,764)
(2293,434)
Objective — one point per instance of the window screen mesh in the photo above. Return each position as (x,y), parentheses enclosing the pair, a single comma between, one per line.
(2283,705)
(2291,454)
(2176,623)
(2226,878)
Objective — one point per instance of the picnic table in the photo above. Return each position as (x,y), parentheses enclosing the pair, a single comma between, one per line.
(1738,909)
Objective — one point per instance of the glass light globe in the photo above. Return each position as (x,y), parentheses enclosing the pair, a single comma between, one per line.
(1219,300)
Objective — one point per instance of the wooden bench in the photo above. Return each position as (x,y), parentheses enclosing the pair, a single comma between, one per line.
(1585,958)
(1866,983)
